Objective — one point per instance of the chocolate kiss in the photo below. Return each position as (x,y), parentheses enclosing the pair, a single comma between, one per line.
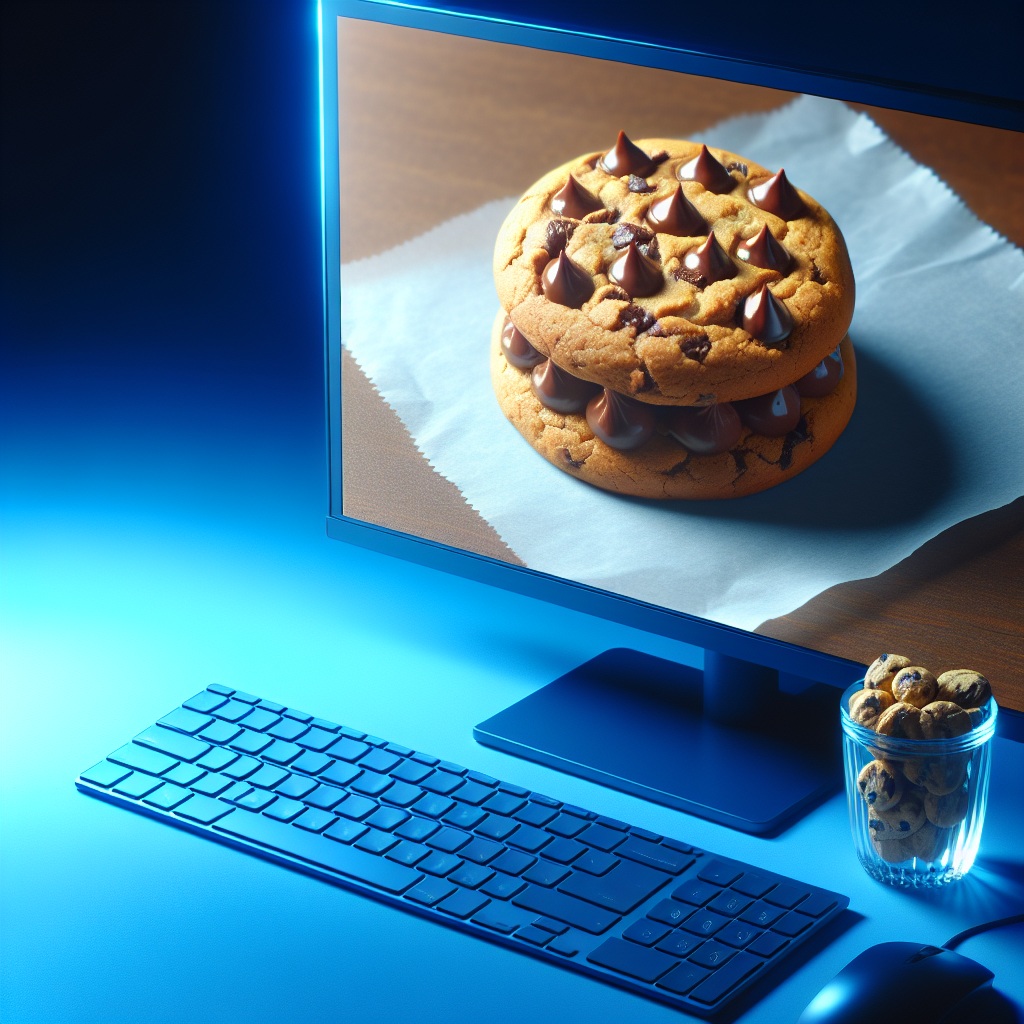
(777,196)
(626,158)
(762,250)
(676,215)
(559,390)
(619,421)
(706,430)
(573,200)
(637,273)
(517,349)
(766,318)
(565,283)
(773,415)
(710,261)
(708,171)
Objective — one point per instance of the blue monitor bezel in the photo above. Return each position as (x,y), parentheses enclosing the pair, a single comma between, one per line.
(788,659)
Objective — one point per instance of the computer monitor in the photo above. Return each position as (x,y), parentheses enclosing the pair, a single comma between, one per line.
(435,119)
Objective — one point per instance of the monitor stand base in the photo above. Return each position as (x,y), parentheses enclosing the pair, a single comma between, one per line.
(639,724)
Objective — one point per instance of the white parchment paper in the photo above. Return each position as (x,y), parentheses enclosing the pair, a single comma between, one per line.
(939,338)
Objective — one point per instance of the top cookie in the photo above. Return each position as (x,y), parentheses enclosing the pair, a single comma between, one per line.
(675,273)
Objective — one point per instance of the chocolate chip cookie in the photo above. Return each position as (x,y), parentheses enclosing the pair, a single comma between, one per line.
(675,274)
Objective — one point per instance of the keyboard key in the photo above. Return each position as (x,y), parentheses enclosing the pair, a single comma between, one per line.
(786,895)
(410,771)
(441,782)
(448,840)
(712,954)
(680,943)
(815,905)
(407,853)
(767,944)
(718,872)
(528,838)
(340,773)
(185,720)
(205,702)
(430,891)
(310,762)
(296,787)
(632,960)
(387,818)
(565,908)
(137,785)
(730,903)
(496,826)
(256,800)
(503,803)
(683,978)
(463,904)
(513,862)
(469,876)
(287,729)
(738,969)
(670,912)
(567,825)
(402,794)
(205,810)
(345,749)
(792,924)
(472,793)
(704,923)
(695,893)
(232,711)
(622,889)
(752,884)
(738,934)
(167,796)
(601,837)
(533,935)
(212,784)
(535,814)
(241,767)
(379,761)
(312,819)
(464,816)
(281,752)
(267,777)
(433,806)
(371,783)
(142,759)
(318,740)
(217,759)
(654,854)
(337,857)
(417,829)
(284,809)
(356,807)
(546,872)
(260,719)
(499,918)
(565,851)
(345,831)
(376,841)
(184,775)
(646,932)
(105,774)
(249,742)
(502,886)
(764,915)
(440,864)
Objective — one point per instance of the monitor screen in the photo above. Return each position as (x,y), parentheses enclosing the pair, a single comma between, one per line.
(885,496)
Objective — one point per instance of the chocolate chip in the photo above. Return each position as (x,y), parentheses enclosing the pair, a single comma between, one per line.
(817,275)
(697,348)
(557,235)
(660,157)
(573,463)
(694,277)
(679,467)
(626,232)
(636,316)
(638,184)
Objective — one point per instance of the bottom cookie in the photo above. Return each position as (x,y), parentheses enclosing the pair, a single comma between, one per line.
(661,467)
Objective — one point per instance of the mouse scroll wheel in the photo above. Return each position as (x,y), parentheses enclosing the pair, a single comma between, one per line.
(923,953)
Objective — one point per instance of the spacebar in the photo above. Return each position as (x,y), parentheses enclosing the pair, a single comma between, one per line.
(325,853)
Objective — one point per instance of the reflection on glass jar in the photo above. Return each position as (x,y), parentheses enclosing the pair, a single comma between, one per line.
(917,806)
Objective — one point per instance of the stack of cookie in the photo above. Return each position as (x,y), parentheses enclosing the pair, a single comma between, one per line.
(673,322)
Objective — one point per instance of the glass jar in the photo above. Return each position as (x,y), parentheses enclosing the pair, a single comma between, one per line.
(917,807)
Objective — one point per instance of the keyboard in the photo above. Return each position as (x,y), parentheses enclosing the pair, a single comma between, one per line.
(579,889)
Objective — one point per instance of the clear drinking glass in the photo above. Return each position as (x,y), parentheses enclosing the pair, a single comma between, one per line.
(917,807)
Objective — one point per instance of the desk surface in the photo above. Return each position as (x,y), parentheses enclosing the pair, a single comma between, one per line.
(162,497)
(456,114)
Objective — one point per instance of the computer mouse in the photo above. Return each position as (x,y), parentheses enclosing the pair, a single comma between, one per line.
(899,981)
